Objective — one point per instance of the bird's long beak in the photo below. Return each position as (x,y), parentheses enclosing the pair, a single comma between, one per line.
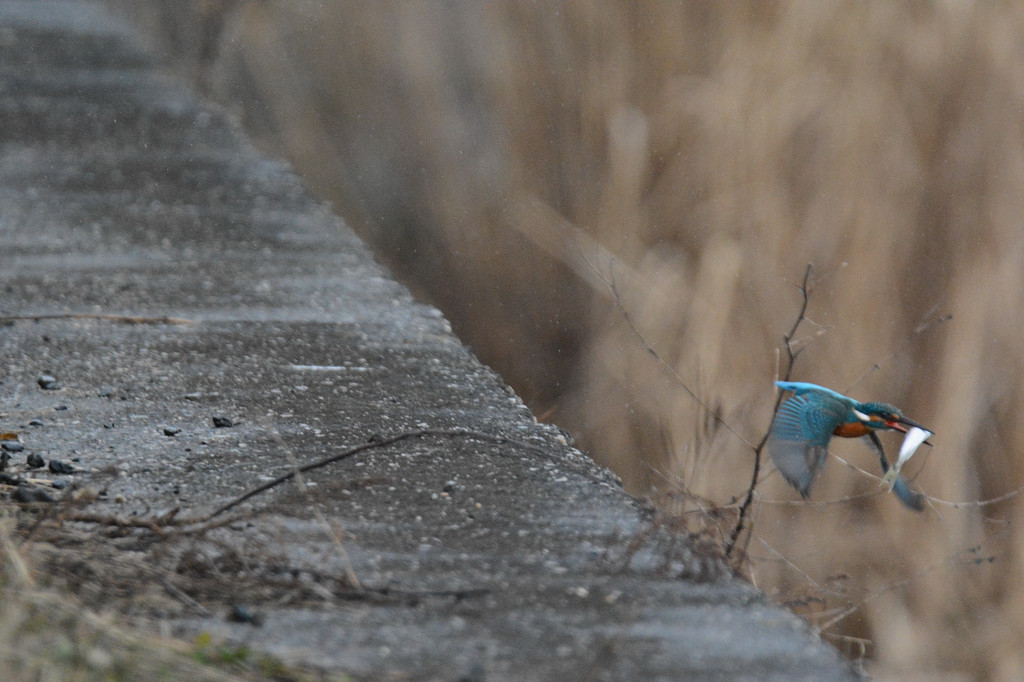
(902,423)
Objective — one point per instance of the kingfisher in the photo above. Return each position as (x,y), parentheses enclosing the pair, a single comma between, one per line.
(804,426)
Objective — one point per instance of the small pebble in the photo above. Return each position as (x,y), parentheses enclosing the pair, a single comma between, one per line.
(48,382)
(8,479)
(12,446)
(171,430)
(34,461)
(240,614)
(222,422)
(36,422)
(4,459)
(59,466)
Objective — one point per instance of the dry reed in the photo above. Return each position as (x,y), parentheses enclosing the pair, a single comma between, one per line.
(540,169)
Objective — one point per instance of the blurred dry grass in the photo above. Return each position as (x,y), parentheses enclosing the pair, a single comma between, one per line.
(48,634)
(540,169)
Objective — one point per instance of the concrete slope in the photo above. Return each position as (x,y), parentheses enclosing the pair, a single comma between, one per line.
(166,276)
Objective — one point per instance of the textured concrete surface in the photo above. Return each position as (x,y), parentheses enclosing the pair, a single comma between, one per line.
(450,557)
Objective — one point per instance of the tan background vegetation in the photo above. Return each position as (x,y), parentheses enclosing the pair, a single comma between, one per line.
(560,176)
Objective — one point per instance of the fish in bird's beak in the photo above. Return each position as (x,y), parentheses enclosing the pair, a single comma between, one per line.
(911,442)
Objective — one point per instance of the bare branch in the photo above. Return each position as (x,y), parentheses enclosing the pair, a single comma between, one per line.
(385,442)
(332,533)
(125,319)
(922,327)
(805,292)
(971,555)
(716,414)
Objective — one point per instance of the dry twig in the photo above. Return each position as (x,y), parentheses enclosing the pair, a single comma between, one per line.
(791,355)
(125,319)
(385,442)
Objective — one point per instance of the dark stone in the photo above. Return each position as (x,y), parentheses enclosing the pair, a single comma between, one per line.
(241,614)
(27,494)
(59,466)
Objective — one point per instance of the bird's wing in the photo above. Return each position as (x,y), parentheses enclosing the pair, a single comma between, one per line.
(803,388)
(798,442)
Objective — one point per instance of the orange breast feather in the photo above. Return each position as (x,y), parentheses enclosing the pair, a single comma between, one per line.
(851,430)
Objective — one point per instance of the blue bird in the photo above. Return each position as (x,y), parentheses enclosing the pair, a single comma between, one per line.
(806,422)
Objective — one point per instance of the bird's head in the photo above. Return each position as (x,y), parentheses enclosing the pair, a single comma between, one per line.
(884,416)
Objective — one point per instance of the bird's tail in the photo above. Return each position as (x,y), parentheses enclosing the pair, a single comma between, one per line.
(911,499)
